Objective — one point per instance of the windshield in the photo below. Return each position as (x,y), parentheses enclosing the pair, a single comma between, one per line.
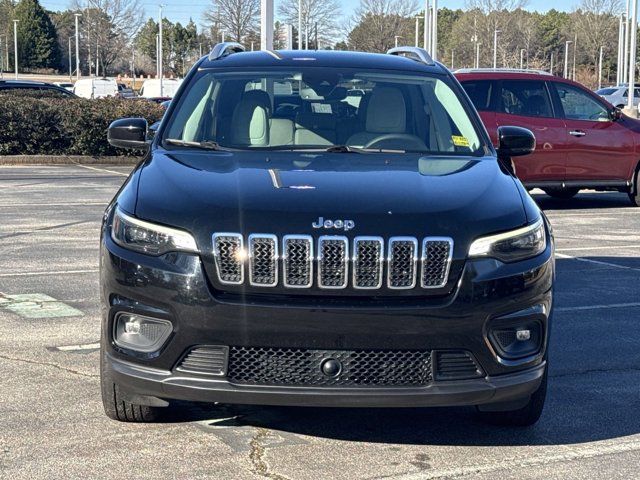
(606,91)
(323,108)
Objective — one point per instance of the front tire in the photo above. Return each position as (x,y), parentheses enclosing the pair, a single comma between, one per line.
(562,193)
(634,194)
(524,416)
(115,406)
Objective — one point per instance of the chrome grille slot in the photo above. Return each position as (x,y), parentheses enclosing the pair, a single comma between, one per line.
(368,257)
(263,260)
(436,260)
(297,261)
(333,258)
(402,263)
(228,251)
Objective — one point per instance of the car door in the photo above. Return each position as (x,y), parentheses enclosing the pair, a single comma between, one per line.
(598,147)
(527,103)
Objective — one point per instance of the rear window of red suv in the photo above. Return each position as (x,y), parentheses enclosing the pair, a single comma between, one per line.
(479,92)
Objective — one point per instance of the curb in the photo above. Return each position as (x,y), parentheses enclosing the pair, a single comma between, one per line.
(66,160)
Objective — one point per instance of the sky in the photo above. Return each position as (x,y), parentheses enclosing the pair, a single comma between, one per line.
(183,10)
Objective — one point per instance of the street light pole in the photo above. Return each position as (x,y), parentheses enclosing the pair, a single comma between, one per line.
(620,50)
(627,30)
(77,15)
(600,68)
(426,34)
(418,29)
(15,45)
(299,24)
(566,58)
(160,53)
(522,59)
(575,48)
(551,66)
(478,54)
(632,55)
(495,48)
(434,31)
(70,72)
(397,37)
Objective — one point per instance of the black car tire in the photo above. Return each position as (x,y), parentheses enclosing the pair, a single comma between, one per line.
(522,417)
(562,193)
(634,194)
(115,407)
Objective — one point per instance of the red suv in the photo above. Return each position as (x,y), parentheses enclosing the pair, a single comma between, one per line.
(582,141)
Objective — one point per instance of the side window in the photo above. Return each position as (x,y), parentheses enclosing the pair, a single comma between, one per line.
(479,92)
(525,97)
(579,105)
(626,93)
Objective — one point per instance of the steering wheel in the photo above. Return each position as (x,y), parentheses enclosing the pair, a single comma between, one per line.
(396,141)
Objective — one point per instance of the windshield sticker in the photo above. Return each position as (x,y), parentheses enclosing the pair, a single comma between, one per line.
(459,141)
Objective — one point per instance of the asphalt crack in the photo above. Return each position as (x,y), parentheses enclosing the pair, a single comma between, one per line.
(49,364)
(257,456)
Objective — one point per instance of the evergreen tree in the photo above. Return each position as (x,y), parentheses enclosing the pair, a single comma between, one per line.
(37,38)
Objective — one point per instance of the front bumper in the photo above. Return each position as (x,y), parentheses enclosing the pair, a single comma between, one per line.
(174,287)
(143,382)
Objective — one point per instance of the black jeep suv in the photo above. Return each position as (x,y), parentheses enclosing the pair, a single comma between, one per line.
(324,229)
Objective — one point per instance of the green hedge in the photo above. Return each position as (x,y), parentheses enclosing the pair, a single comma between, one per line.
(41,124)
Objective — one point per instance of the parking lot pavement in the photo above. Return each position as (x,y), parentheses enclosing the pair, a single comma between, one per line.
(51,419)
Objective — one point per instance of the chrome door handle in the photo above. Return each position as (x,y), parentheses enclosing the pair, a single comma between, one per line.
(577,133)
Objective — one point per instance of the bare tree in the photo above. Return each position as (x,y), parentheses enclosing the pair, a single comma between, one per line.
(376,23)
(318,17)
(236,18)
(596,24)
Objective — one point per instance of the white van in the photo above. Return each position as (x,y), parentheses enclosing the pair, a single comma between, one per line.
(96,87)
(151,88)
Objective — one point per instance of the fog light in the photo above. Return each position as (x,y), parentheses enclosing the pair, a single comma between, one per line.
(523,335)
(140,333)
(516,341)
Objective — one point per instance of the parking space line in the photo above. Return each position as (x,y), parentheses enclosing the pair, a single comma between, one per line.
(597,307)
(611,247)
(597,262)
(48,272)
(102,170)
(68,204)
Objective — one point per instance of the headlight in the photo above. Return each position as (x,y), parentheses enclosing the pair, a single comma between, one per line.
(512,246)
(149,238)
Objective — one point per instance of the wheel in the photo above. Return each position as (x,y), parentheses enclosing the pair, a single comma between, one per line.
(562,193)
(524,416)
(634,194)
(115,406)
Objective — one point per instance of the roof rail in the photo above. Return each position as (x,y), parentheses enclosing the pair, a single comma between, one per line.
(502,70)
(414,53)
(225,49)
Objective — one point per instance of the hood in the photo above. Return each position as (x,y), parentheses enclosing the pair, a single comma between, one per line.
(285,192)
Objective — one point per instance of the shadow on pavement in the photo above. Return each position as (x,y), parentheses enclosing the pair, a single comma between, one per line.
(584,201)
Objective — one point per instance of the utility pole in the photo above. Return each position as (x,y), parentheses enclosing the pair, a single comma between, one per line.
(627,30)
(566,58)
(600,69)
(632,58)
(522,59)
(77,15)
(418,17)
(161,70)
(495,48)
(70,73)
(266,25)
(575,48)
(15,45)
(299,24)
(434,31)
(478,54)
(427,27)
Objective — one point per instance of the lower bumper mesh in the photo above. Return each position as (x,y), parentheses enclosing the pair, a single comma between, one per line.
(303,367)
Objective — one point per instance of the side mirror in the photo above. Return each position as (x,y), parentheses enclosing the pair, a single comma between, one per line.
(616,114)
(128,133)
(515,142)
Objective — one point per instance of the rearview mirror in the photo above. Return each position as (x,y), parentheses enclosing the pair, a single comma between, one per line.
(515,142)
(128,133)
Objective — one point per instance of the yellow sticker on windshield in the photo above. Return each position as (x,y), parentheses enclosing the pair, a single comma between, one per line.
(459,141)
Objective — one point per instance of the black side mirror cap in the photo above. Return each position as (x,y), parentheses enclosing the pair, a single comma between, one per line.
(128,133)
(515,142)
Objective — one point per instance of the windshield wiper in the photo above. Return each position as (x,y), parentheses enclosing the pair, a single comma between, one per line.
(207,145)
(347,149)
